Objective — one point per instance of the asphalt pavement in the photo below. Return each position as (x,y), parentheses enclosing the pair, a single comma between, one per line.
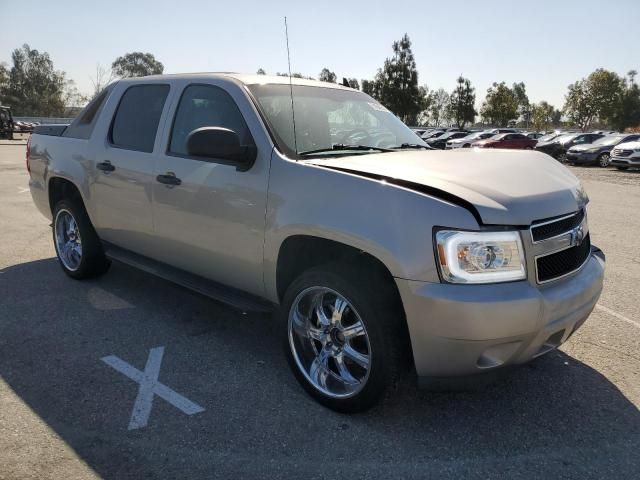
(68,412)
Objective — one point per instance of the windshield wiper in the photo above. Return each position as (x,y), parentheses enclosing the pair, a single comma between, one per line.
(340,146)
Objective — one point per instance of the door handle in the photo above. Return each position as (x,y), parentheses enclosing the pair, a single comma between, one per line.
(105,166)
(169,178)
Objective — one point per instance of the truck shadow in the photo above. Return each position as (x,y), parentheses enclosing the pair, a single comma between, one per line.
(556,413)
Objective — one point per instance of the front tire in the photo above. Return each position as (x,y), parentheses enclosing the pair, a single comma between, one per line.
(341,336)
(603,160)
(77,245)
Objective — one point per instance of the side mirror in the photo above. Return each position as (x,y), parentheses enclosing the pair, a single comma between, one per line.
(221,144)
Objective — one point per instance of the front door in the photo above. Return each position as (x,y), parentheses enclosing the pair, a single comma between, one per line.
(211,221)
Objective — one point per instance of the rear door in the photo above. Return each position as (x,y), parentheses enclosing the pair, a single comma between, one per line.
(123,168)
(212,222)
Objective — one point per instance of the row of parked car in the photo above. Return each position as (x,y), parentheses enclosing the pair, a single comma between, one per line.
(603,148)
(9,126)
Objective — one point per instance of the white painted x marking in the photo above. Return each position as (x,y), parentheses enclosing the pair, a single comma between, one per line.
(150,387)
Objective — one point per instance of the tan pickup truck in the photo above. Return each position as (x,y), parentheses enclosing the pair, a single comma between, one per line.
(380,255)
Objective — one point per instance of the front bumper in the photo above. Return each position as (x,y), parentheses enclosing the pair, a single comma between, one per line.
(632,161)
(582,157)
(462,330)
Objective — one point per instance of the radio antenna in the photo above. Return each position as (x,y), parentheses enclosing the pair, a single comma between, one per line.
(293,112)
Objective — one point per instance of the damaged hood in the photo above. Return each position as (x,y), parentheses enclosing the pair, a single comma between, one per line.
(506,187)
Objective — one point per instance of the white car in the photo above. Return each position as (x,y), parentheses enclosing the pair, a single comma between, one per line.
(465,142)
(626,155)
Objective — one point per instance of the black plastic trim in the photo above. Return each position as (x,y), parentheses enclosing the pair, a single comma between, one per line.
(209,288)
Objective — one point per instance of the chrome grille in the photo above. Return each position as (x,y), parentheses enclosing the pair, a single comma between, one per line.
(553,228)
(563,262)
(561,246)
(618,152)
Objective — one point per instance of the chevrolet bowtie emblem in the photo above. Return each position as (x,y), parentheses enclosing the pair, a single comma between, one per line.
(576,236)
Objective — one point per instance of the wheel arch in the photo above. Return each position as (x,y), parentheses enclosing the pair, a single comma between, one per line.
(60,188)
(300,252)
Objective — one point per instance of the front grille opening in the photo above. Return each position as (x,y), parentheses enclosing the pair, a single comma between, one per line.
(563,262)
(553,229)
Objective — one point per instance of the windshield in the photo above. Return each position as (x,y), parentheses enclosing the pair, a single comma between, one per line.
(481,135)
(548,138)
(329,117)
(566,138)
(610,140)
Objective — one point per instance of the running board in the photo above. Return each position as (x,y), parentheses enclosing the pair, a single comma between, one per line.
(216,291)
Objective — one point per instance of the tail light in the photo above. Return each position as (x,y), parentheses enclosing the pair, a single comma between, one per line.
(28,152)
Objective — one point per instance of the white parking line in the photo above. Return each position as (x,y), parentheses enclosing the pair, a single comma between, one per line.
(149,387)
(618,316)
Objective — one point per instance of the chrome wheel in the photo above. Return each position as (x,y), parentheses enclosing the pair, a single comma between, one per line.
(604,160)
(329,342)
(68,241)
(562,158)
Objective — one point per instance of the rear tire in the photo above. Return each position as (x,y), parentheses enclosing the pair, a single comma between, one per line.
(603,160)
(320,344)
(77,245)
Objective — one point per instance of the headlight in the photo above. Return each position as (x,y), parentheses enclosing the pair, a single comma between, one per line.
(480,257)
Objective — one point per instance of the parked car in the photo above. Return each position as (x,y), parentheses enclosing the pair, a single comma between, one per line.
(558,146)
(599,152)
(6,123)
(374,254)
(495,131)
(626,155)
(433,134)
(507,140)
(533,135)
(466,141)
(441,141)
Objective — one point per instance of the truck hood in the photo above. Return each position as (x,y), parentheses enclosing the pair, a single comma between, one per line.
(505,187)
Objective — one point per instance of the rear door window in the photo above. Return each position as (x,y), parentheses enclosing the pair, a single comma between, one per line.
(135,123)
(83,125)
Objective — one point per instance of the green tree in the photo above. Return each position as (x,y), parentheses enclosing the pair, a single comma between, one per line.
(595,97)
(542,115)
(627,112)
(371,88)
(34,87)
(353,83)
(500,105)
(462,103)
(327,75)
(294,75)
(261,71)
(396,83)
(137,64)
(524,107)
(4,77)
(439,108)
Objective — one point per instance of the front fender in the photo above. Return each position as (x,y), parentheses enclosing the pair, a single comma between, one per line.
(391,223)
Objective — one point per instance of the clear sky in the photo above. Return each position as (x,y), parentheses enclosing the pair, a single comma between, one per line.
(546,44)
